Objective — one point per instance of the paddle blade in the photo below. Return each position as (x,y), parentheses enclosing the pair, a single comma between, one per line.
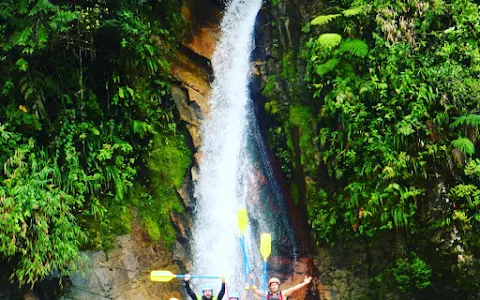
(161,276)
(242,219)
(265,245)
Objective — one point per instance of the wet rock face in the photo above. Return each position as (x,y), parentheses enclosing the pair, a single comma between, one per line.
(201,32)
(124,273)
(191,66)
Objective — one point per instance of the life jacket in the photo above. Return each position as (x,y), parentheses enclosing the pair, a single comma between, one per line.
(270,296)
(201,297)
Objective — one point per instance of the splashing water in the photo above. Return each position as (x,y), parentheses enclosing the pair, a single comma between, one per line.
(233,159)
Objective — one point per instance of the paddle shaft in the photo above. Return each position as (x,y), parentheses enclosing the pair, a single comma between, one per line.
(245,259)
(264,279)
(198,276)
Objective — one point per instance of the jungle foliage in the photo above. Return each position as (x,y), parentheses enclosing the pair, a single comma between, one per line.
(393,145)
(84,89)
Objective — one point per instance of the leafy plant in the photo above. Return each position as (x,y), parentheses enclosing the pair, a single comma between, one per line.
(464,145)
(84,88)
(412,273)
(322,20)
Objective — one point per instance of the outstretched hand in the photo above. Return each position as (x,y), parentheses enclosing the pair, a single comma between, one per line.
(187,277)
(307,279)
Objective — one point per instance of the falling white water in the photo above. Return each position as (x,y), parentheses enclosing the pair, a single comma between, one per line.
(228,175)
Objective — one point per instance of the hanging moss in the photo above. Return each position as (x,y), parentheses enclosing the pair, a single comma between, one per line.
(167,163)
(302,117)
(289,68)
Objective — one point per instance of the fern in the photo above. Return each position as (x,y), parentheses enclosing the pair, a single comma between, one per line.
(327,66)
(465,145)
(324,19)
(329,40)
(355,47)
(443,118)
(142,128)
(353,11)
(31,88)
(470,119)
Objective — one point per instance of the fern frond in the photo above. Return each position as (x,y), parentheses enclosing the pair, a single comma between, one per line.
(324,19)
(142,128)
(353,11)
(465,145)
(470,119)
(443,118)
(31,88)
(329,40)
(326,67)
(355,47)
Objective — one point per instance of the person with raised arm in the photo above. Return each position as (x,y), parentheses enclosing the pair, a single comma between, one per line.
(274,292)
(207,291)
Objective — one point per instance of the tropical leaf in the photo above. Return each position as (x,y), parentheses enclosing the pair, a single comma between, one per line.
(355,47)
(470,119)
(324,19)
(353,11)
(329,40)
(326,67)
(465,145)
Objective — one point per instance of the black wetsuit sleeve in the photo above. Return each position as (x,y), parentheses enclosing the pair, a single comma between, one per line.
(189,291)
(222,291)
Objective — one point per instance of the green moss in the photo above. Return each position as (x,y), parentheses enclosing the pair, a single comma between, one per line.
(120,219)
(152,228)
(101,231)
(270,88)
(168,160)
(299,115)
(302,117)
(289,70)
(275,2)
(167,163)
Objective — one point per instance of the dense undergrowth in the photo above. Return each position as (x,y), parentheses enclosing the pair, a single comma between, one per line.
(386,144)
(85,110)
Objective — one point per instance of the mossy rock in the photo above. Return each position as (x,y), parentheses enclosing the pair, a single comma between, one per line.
(167,162)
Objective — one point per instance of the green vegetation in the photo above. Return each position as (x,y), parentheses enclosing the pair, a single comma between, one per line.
(393,102)
(412,274)
(84,89)
(388,140)
(167,163)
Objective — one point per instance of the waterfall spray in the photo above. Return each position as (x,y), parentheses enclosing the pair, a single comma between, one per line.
(227,179)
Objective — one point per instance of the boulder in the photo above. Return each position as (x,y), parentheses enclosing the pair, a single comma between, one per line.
(124,273)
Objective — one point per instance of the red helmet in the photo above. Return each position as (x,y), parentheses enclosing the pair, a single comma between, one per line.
(272,280)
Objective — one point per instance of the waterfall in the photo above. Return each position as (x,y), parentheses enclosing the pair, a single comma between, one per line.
(231,163)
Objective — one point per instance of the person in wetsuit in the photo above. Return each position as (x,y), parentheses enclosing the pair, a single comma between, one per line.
(274,292)
(207,291)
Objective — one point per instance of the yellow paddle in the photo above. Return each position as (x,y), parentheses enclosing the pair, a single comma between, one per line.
(265,245)
(265,250)
(242,225)
(166,276)
(242,220)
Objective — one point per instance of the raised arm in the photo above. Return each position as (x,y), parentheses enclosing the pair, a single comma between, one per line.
(189,290)
(286,293)
(222,290)
(258,292)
